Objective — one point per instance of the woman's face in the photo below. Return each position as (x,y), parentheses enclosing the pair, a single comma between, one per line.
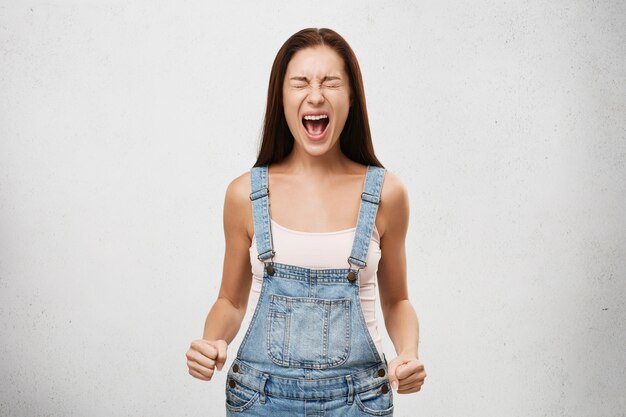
(316,98)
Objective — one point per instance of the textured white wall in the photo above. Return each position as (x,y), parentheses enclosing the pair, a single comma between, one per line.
(122,123)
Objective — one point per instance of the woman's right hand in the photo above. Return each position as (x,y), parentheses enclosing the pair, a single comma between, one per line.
(204,356)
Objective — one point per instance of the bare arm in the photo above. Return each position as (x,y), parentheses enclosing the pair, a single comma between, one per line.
(225,316)
(400,318)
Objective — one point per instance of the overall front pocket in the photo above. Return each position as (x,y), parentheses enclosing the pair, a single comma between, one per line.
(238,396)
(307,332)
(376,401)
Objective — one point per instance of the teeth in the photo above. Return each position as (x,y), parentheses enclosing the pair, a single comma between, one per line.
(318,117)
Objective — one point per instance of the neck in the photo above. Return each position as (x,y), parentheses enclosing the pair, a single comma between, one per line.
(300,162)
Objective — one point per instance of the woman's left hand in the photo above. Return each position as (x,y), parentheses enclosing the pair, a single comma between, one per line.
(406,374)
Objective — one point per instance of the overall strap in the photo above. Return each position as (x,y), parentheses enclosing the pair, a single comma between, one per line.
(370,199)
(260,212)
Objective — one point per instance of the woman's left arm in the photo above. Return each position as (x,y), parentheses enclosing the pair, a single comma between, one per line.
(406,371)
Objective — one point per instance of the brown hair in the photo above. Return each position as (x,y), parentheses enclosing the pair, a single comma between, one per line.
(276,139)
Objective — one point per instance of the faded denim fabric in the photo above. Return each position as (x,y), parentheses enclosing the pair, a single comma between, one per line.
(307,350)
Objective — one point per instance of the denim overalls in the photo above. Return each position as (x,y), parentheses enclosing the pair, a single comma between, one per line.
(307,350)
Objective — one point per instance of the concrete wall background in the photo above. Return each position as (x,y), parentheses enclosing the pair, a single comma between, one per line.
(121,124)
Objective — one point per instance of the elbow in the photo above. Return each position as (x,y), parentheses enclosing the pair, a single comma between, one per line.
(392,304)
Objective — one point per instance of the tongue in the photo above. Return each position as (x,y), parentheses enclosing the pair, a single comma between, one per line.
(315,127)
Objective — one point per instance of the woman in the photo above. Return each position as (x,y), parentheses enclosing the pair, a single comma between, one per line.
(312,346)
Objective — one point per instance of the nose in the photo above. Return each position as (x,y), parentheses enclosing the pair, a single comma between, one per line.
(315,96)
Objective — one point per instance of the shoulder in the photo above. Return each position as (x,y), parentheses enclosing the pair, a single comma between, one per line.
(238,190)
(237,204)
(394,204)
(393,188)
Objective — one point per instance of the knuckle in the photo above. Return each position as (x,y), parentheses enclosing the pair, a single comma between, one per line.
(195,344)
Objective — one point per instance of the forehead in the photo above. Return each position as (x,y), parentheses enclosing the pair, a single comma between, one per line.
(316,61)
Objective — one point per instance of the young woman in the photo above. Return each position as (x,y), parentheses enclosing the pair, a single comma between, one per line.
(336,229)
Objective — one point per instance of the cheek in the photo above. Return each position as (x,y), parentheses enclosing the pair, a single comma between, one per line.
(340,98)
(291,102)
(289,107)
(291,114)
(342,104)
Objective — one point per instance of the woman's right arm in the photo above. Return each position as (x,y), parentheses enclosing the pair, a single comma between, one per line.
(227,313)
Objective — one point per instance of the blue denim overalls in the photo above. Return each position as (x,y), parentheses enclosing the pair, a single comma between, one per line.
(307,350)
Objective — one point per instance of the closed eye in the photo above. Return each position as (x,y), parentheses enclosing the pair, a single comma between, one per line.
(299,85)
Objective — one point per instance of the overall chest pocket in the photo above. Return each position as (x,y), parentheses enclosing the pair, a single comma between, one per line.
(306,332)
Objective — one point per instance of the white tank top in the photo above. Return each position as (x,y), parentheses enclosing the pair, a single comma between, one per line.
(321,250)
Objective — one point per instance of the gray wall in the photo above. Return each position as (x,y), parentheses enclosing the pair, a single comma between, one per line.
(121,125)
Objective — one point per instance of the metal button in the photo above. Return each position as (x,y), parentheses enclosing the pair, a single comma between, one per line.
(385,389)
(381,372)
(270,269)
(232,383)
(351,276)
(235,368)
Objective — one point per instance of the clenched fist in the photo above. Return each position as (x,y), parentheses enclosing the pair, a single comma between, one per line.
(406,374)
(204,356)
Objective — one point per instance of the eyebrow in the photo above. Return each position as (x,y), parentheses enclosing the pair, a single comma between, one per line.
(326,78)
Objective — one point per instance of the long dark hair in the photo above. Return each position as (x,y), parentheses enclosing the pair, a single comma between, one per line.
(277,141)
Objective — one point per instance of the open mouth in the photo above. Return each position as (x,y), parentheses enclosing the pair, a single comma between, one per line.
(315,124)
